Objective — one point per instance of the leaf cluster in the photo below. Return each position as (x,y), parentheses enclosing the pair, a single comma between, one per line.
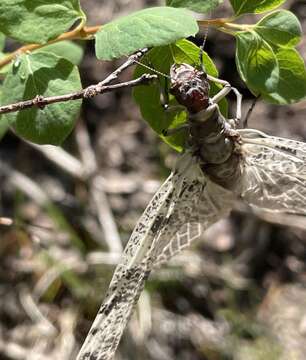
(47,63)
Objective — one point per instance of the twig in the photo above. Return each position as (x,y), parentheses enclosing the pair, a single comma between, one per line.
(81,171)
(105,215)
(66,342)
(15,351)
(144,325)
(53,273)
(87,155)
(87,171)
(6,221)
(63,159)
(25,184)
(97,193)
(40,101)
(105,258)
(35,314)
(35,192)
(132,60)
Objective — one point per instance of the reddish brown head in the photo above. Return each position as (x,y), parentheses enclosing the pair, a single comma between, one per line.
(190,87)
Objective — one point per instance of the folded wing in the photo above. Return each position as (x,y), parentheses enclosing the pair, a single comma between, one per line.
(274,173)
(174,217)
(210,205)
(127,283)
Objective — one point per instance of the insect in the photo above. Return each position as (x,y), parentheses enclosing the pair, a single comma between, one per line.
(220,165)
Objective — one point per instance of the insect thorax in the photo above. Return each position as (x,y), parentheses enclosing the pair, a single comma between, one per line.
(211,140)
(216,148)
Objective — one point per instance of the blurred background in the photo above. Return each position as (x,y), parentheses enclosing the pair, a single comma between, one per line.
(239,293)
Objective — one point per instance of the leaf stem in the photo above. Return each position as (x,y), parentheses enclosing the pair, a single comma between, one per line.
(225,24)
(80,32)
(86,32)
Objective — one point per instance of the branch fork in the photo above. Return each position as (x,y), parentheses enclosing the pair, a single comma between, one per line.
(40,101)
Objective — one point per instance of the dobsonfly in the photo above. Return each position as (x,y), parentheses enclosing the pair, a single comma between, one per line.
(220,165)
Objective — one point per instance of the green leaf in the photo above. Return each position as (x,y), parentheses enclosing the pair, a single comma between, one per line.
(38,21)
(254,6)
(280,28)
(148,97)
(199,6)
(292,78)
(66,49)
(185,51)
(256,62)
(2,41)
(150,27)
(47,75)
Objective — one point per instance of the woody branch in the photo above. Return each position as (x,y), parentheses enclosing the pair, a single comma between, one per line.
(103,86)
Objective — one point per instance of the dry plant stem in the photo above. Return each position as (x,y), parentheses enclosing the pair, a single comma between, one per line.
(102,257)
(97,194)
(62,159)
(91,91)
(25,184)
(35,314)
(105,215)
(86,170)
(129,62)
(54,272)
(66,341)
(80,171)
(6,221)
(85,150)
(16,352)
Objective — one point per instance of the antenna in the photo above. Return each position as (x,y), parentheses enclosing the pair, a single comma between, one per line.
(152,69)
(245,121)
(202,47)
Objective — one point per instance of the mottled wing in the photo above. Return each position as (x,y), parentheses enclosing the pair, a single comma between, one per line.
(274,173)
(213,203)
(128,281)
(173,210)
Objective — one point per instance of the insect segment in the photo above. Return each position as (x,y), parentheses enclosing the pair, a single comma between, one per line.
(212,138)
(220,165)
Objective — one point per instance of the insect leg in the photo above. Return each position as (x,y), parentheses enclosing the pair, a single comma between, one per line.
(245,121)
(222,93)
(164,99)
(205,114)
(169,132)
(164,93)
